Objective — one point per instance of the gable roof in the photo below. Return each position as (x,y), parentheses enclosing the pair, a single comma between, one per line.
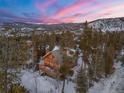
(47,54)
(56,48)
(58,55)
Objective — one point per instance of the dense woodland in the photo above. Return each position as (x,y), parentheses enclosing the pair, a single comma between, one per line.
(100,51)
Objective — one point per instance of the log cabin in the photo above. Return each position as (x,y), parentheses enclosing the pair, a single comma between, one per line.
(53,60)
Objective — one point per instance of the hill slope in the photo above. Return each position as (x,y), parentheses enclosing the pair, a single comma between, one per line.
(110,24)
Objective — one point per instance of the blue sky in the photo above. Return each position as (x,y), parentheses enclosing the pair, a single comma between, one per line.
(59,11)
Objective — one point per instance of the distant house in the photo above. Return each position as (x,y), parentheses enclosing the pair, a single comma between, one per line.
(54,59)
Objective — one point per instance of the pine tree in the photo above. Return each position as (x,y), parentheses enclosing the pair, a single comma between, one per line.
(17,88)
(85,43)
(81,80)
(64,70)
(11,57)
(109,53)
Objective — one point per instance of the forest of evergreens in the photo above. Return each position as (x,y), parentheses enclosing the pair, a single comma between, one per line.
(100,51)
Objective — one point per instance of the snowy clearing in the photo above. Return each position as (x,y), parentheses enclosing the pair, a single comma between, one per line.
(43,84)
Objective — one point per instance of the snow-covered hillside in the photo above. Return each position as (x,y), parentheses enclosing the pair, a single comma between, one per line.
(110,24)
(112,84)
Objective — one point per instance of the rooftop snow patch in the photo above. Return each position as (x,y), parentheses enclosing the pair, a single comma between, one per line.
(56,48)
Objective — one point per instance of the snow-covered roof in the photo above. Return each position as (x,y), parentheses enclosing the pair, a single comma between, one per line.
(73,50)
(56,48)
(58,55)
(29,41)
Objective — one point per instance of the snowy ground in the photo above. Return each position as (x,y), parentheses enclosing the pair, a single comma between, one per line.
(43,84)
(112,84)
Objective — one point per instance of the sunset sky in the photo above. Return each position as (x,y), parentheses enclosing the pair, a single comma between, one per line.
(59,11)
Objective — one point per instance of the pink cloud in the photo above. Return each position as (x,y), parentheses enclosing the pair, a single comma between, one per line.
(69,20)
(59,16)
(78,11)
(98,11)
(110,10)
(56,21)
(89,10)
(72,8)
(50,21)
(44,6)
